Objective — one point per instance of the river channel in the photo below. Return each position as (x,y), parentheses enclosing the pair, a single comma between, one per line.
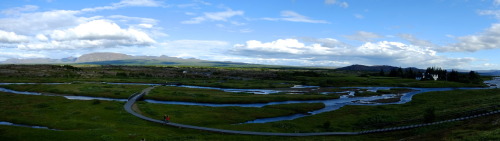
(330,105)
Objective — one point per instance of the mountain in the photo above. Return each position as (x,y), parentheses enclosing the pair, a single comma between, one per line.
(373,68)
(489,72)
(32,61)
(102,56)
(108,58)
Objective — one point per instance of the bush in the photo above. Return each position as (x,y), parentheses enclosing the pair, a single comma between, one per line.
(429,115)
(95,102)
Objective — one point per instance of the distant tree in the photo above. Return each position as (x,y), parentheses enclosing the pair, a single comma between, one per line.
(381,73)
(474,77)
(400,72)
(393,73)
(454,76)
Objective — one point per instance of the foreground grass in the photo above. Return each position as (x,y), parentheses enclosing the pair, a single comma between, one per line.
(446,105)
(216,96)
(82,89)
(106,120)
(86,120)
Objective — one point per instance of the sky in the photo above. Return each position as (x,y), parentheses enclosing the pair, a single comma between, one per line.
(452,34)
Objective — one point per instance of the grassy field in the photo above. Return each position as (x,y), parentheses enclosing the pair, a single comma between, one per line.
(363,92)
(217,116)
(82,89)
(217,96)
(162,93)
(226,77)
(445,105)
(332,80)
(351,80)
(105,120)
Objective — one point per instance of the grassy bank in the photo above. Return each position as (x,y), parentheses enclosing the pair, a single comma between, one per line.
(444,105)
(82,89)
(216,96)
(217,116)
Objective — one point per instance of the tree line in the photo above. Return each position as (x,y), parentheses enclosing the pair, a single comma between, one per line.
(443,75)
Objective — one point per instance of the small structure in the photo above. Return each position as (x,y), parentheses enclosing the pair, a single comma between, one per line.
(435,77)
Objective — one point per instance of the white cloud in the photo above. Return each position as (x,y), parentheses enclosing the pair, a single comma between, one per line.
(66,29)
(215,16)
(246,30)
(344,4)
(336,2)
(188,48)
(7,55)
(41,37)
(359,16)
(11,37)
(146,25)
(283,61)
(294,17)
(394,53)
(136,19)
(190,13)
(146,3)
(415,41)
(29,23)
(126,3)
(488,39)
(288,46)
(223,16)
(19,10)
(496,2)
(330,1)
(99,30)
(363,36)
(495,13)
(92,34)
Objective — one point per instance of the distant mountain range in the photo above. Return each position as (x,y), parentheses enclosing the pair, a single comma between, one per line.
(489,72)
(386,68)
(107,58)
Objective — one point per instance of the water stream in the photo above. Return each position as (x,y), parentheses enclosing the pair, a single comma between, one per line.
(22,125)
(330,105)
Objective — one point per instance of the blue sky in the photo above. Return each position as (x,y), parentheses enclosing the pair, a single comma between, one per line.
(459,34)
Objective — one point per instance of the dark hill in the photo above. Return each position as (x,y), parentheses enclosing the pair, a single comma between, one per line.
(373,68)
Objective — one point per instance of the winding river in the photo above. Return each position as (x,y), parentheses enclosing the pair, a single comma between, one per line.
(330,105)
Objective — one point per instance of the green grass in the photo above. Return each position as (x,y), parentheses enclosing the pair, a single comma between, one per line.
(82,89)
(363,92)
(106,120)
(299,107)
(216,96)
(332,80)
(217,116)
(356,118)
(223,77)
(351,80)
